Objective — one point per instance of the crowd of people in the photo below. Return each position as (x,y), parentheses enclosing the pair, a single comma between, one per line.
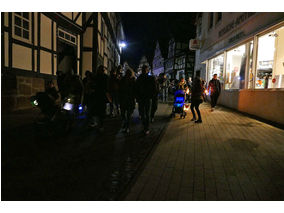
(123,91)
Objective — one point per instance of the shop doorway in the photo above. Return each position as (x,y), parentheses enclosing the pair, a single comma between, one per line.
(67,57)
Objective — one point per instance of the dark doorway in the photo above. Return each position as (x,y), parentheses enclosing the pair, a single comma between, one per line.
(67,57)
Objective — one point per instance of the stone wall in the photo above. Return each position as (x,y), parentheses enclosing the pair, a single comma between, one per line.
(17,91)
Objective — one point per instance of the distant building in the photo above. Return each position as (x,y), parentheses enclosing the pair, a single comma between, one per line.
(158,61)
(126,66)
(143,61)
(35,45)
(246,51)
(180,61)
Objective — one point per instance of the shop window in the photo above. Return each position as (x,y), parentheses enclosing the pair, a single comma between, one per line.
(235,68)
(270,55)
(216,66)
(22,25)
(250,70)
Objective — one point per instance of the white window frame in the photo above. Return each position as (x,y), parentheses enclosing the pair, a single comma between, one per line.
(65,39)
(29,30)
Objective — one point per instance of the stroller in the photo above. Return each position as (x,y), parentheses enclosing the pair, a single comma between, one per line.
(180,106)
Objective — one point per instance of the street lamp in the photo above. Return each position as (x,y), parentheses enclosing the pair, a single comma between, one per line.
(122,44)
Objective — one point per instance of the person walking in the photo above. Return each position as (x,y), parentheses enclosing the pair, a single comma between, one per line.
(126,97)
(154,105)
(164,85)
(182,84)
(114,86)
(196,99)
(145,89)
(215,89)
(101,96)
(188,92)
(87,86)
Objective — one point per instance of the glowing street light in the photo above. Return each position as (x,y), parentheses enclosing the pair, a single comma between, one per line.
(122,44)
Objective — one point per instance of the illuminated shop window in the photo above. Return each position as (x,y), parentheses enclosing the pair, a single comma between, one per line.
(22,25)
(250,70)
(235,68)
(270,58)
(216,66)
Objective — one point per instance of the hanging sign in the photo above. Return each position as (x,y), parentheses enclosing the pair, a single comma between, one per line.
(194,44)
(273,80)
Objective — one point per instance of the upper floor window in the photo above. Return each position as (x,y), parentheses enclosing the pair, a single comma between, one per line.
(66,36)
(210,21)
(22,25)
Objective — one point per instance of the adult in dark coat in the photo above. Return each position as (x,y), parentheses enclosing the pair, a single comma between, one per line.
(113,89)
(197,91)
(155,98)
(145,91)
(100,96)
(126,96)
(215,89)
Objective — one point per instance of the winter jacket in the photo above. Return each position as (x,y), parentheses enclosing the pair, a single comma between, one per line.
(214,86)
(126,93)
(145,87)
(197,91)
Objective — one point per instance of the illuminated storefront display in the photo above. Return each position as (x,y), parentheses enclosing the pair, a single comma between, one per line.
(216,66)
(235,68)
(238,69)
(270,59)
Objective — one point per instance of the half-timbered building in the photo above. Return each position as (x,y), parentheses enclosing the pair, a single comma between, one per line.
(35,45)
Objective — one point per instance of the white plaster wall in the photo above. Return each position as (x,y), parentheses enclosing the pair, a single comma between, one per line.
(22,57)
(45,62)
(45,32)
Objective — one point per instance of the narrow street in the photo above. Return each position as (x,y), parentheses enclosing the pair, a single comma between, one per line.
(80,166)
(228,157)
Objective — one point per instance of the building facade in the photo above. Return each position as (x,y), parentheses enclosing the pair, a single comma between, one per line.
(180,61)
(143,61)
(246,51)
(35,45)
(158,61)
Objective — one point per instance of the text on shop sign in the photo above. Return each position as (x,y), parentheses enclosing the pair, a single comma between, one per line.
(240,19)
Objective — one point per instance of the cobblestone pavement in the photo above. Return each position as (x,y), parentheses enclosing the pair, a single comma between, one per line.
(82,165)
(228,157)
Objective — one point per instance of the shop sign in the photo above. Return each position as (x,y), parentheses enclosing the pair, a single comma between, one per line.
(236,37)
(194,44)
(233,24)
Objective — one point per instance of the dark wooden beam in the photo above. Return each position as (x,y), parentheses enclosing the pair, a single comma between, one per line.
(76,18)
(52,47)
(63,21)
(10,41)
(38,41)
(2,42)
(33,42)
(95,43)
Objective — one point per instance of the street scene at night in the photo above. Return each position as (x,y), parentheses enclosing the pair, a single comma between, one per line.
(142,106)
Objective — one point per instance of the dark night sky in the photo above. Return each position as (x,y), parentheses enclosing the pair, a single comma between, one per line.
(143,29)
